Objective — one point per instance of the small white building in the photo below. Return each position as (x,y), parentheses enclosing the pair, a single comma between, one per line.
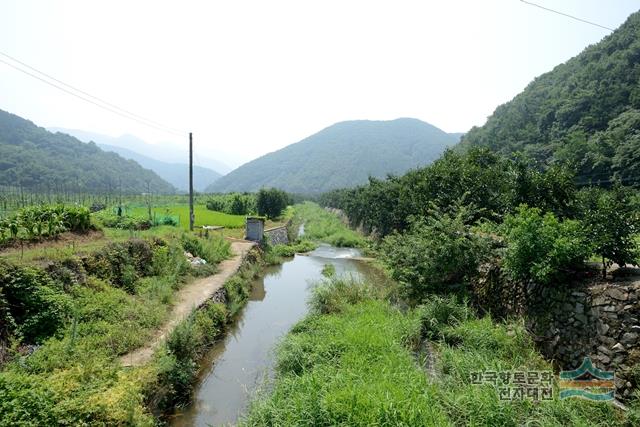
(254,228)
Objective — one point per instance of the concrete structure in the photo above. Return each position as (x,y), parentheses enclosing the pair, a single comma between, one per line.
(254,230)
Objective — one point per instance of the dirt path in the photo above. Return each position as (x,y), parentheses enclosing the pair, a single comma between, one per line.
(191,296)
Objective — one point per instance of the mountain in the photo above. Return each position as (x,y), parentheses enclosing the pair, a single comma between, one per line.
(176,174)
(342,155)
(164,152)
(32,157)
(585,112)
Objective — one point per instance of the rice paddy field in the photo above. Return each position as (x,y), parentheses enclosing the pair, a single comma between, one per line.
(203,216)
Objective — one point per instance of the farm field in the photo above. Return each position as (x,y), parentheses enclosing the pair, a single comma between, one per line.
(181,211)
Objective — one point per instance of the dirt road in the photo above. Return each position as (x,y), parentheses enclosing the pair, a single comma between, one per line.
(189,297)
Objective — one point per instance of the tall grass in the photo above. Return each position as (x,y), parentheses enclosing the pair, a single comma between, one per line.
(355,360)
(326,227)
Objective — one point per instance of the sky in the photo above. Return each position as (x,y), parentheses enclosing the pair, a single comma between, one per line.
(250,77)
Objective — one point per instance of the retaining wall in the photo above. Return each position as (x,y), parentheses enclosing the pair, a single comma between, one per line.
(590,317)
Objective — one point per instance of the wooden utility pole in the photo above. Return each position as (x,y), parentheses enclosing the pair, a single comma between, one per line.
(191,216)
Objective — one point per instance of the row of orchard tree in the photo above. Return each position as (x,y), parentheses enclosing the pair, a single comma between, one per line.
(434,222)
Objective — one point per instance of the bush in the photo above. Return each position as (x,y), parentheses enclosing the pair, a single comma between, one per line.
(35,304)
(213,249)
(122,263)
(436,252)
(541,247)
(125,222)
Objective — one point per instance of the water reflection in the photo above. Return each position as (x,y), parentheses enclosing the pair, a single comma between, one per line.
(236,365)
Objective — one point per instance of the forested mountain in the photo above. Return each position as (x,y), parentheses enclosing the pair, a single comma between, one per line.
(31,156)
(342,155)
(585,112)
(177,174)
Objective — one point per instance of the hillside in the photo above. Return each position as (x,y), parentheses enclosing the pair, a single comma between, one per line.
(585,112)
(342,155)
(32,157)
(176,174)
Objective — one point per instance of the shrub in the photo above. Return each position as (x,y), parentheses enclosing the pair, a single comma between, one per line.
(541,247)
(436,252)
(36,305)
(121,263)
(213,249)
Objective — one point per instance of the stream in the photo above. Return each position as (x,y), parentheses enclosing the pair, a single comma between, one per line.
(243,360)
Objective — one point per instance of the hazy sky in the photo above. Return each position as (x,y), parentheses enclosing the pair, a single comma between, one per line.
(249,77)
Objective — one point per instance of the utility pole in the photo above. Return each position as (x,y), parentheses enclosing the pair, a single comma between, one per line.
(191,216)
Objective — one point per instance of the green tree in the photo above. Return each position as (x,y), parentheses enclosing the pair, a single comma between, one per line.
(542,248)
(435,253)
(612,224)
(271,202)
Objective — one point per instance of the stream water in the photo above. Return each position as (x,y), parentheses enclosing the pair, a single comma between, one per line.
(241,362)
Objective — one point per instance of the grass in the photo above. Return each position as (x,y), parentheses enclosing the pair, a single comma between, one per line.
(357,360)
(203,216)
(323,226)
(348,369)
(74,377)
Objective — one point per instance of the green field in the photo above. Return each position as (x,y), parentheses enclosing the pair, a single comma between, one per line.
(202,214)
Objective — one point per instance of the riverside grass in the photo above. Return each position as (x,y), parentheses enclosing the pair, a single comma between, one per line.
(355,360)
(321,225)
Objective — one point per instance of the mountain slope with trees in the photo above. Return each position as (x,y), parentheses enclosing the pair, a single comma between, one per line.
(585,112)
(35,158)
(342,155)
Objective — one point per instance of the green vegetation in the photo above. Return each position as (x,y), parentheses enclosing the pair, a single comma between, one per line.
(324,226)
(543,248)
(87,309)
(612,222)
(271,202)
(435,254)
(233,203)
(203,215)
(584,112)
(37,159)
(342,155)
(35,222)
(353,362)
(437,218)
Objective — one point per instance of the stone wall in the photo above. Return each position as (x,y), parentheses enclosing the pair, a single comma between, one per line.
(590,317)
(277,235)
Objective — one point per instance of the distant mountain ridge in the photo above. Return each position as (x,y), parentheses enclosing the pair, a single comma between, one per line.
(163,152)
(32,157)
(342,155)
(177,174)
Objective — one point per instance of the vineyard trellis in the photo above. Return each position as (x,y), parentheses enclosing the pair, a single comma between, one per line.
(13,198)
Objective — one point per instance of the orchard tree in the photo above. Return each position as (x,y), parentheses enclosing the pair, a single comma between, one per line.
(270,202)
(612,223)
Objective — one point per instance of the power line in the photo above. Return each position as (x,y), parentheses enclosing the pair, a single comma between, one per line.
(87,97)
(567,15)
